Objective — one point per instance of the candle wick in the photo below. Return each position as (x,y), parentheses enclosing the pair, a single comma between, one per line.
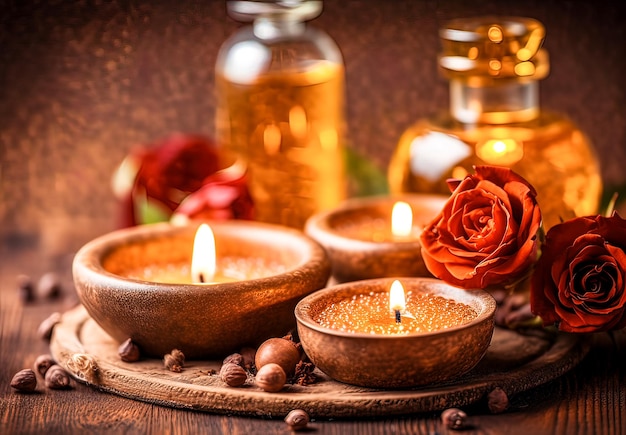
(201,278)
(398,317)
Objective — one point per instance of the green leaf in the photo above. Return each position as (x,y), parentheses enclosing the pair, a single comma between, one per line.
(364,177)
(150,211)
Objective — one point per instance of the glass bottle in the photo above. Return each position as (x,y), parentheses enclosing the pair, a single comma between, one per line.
(494,65)
(280,92)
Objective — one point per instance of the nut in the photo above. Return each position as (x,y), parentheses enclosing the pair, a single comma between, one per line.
(271,378)
(49,286)
(248,354)
(454,418)
(57,378)
(521,318)
(280,351)
(43,363)
(46,327)
(233,375)
(25,288)
(129,351)
(235,358)
(24,381)
(497,401)
(174,361)
(297,419)
(510,303)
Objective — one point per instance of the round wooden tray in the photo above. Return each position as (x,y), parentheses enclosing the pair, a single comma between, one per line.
(515,362)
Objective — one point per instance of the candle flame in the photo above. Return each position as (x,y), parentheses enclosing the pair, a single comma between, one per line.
(397,301)
(203,258)
(401,219)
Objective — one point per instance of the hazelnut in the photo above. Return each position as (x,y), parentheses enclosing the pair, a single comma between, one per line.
(43,363)
(49,286)
(235,358)
(233,375)
(129,351)
(454,418)
(46,327)
(271,378)
(497,401)
(297,419)
(24,381)
(280,351)
(57,378)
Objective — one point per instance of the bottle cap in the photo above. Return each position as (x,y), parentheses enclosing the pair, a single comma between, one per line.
(483,49)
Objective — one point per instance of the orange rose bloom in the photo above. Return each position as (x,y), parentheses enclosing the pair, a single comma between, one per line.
(580,280)
(486,236)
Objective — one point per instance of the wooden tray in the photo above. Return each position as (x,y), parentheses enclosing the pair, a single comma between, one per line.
(515,362)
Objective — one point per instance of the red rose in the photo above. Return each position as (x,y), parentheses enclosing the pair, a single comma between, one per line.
(222,196)
(580,279)
(158,177)
(487,233)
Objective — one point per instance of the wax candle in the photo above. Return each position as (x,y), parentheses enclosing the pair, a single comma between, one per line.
(377,226)
(376,236)
(274,267)
(350,331)
(378,312)
(205,267)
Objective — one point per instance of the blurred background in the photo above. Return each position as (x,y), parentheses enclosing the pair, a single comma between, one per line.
(84,81)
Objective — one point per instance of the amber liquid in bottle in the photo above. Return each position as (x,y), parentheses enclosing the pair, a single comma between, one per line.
(494,66)
(550,152)
(288,128)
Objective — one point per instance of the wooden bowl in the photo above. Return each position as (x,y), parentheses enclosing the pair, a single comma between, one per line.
(202,320)
(355,258)
(396,361)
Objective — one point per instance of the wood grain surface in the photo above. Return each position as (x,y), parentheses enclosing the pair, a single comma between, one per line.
(589,399)
(514,362)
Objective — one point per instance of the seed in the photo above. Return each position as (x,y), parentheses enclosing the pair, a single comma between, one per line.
(24,381)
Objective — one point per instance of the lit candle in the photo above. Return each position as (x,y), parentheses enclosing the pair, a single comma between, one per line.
(401,219)
(397,301)
(203,261)
(257,274)
(377,227)
(420,350)
(205,267)
(369,312)
(377,236)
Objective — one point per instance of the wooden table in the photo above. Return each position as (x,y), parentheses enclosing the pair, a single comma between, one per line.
(591,399)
